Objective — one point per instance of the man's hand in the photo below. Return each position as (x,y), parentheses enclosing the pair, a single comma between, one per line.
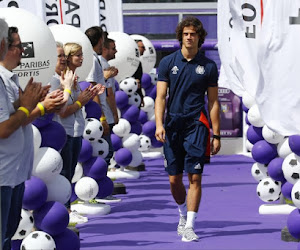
(160,134)
(98,89)
(45,91)
(85,96)
(31,95)
(110,72)
(54,101)
(215,146)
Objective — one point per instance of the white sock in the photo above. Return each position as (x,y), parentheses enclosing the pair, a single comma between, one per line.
(191,217)
(182,209)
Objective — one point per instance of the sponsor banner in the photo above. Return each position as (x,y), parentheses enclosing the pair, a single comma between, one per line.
(111,15)
(279,51)
(36,7)
(228,73)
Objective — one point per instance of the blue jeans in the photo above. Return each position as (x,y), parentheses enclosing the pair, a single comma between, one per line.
(70,154)
(11,206)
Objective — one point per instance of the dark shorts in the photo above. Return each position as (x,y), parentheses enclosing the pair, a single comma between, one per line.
(185,149)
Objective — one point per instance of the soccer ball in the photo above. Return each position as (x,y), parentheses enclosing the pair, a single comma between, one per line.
(296,194)
(100,148)
(38,239)
(145,143)
(269,190)
(93,129)
(291,168)
(129,85)
(134,99)
(25,225)
(259,171)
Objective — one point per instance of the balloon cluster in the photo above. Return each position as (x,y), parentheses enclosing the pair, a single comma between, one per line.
(277,166)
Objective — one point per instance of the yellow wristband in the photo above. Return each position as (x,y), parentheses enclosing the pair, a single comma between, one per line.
(102,118)
(25,110)
(79,104)
(42,108)
(68,90)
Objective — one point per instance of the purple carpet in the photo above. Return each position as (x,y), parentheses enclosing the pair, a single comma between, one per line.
(228,217)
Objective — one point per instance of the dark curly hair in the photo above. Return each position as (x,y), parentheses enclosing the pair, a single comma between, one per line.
(191,21)
(11,30)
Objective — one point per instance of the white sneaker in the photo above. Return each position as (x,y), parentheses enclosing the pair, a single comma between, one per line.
(76,218)
(189,235)
(181,225)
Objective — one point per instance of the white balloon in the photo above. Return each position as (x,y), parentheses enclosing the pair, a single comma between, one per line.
(69,34)
(148,59)
(59,189)
(47,163)
(145,143)
(37,138)
(100,148)
(78,172)
(40,56)
(254,117)
(127,58)
(283,148)
(271,136)
(249,145)
(38,238)
(131,142)
(269,190)
(128,85)
(296,194)
(259,171)
(291,168)
(248,100)
(122,128)
(148,104)
(137,159)
(151,115)
(25,226)
(86,188)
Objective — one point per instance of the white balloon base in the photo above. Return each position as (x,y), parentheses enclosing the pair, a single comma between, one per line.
(151,155)
(122,173)
(91,209)
(276,209)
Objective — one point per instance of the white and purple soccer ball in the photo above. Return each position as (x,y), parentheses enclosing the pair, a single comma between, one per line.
(25,226)
(291,168)
(100,148)
(38,239)
(134,99)
(129,85)
(259,171)
(268,190)
(145,143)
(93,129)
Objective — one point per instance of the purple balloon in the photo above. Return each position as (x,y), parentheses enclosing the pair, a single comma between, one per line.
(263,152)
(293,223)
(123,156)
(106,187)
(254,134)
(245,109)
(53,135)
(35,194)
(117,85)
(149,89)
(73,194)
(275,169)
(246,120)
(131,113)
(43,121)
(146,81)
(136,128)
(116,142)
(67,240)
(149,128)
(152,93)
(93,110)
(294,143)
(121,99)
(286,190)
(86,151)
(155,143)
(95,167)
(16,244)
(52,218)
(84,85)
(143,118)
